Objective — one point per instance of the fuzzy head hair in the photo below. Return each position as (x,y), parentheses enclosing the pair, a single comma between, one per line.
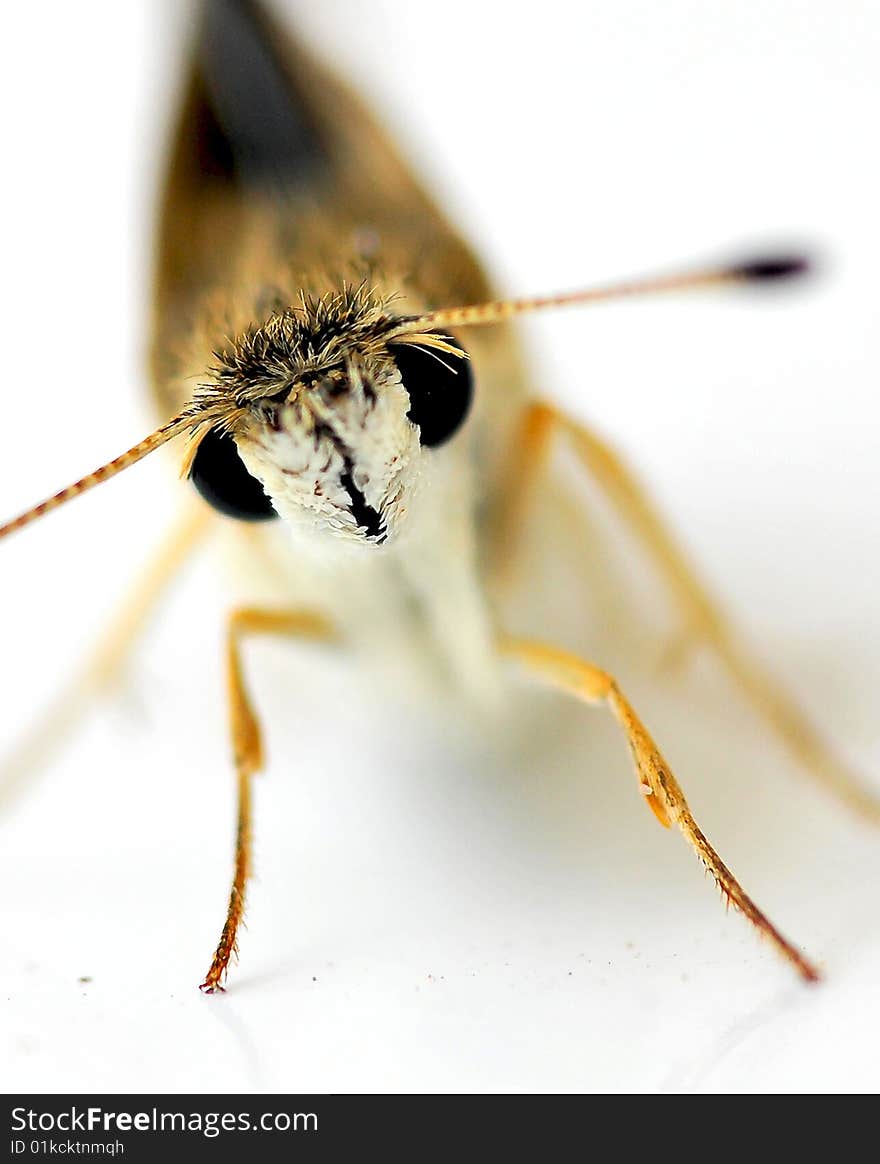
(331,406)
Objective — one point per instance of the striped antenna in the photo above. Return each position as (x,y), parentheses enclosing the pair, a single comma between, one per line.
(136,453)
(762,269)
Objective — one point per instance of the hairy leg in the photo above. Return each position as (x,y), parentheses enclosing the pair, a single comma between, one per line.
(657,783)
(247,750)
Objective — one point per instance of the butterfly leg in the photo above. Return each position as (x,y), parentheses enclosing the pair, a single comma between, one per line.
(101,670)
(701,617)
(248,755)
(657,784)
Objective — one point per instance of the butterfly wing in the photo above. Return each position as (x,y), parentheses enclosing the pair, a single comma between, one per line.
(271,145)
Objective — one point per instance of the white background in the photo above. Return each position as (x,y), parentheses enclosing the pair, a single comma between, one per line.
(424,919)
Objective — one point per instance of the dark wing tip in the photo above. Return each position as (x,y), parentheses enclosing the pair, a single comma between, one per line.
(254,98)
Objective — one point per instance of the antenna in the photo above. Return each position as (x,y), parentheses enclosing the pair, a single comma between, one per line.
(761,269)
(136,453)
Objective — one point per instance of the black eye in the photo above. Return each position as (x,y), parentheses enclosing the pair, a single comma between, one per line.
(440,394)
(219,474)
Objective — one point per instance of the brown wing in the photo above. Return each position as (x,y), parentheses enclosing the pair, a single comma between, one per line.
(265,129)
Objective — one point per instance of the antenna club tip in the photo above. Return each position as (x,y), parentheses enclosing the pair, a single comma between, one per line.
(771,268)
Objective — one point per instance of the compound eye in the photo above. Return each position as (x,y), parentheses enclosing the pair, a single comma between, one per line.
(220,476)
(440,387)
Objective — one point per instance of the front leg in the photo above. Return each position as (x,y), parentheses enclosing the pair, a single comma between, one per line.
(247,751)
